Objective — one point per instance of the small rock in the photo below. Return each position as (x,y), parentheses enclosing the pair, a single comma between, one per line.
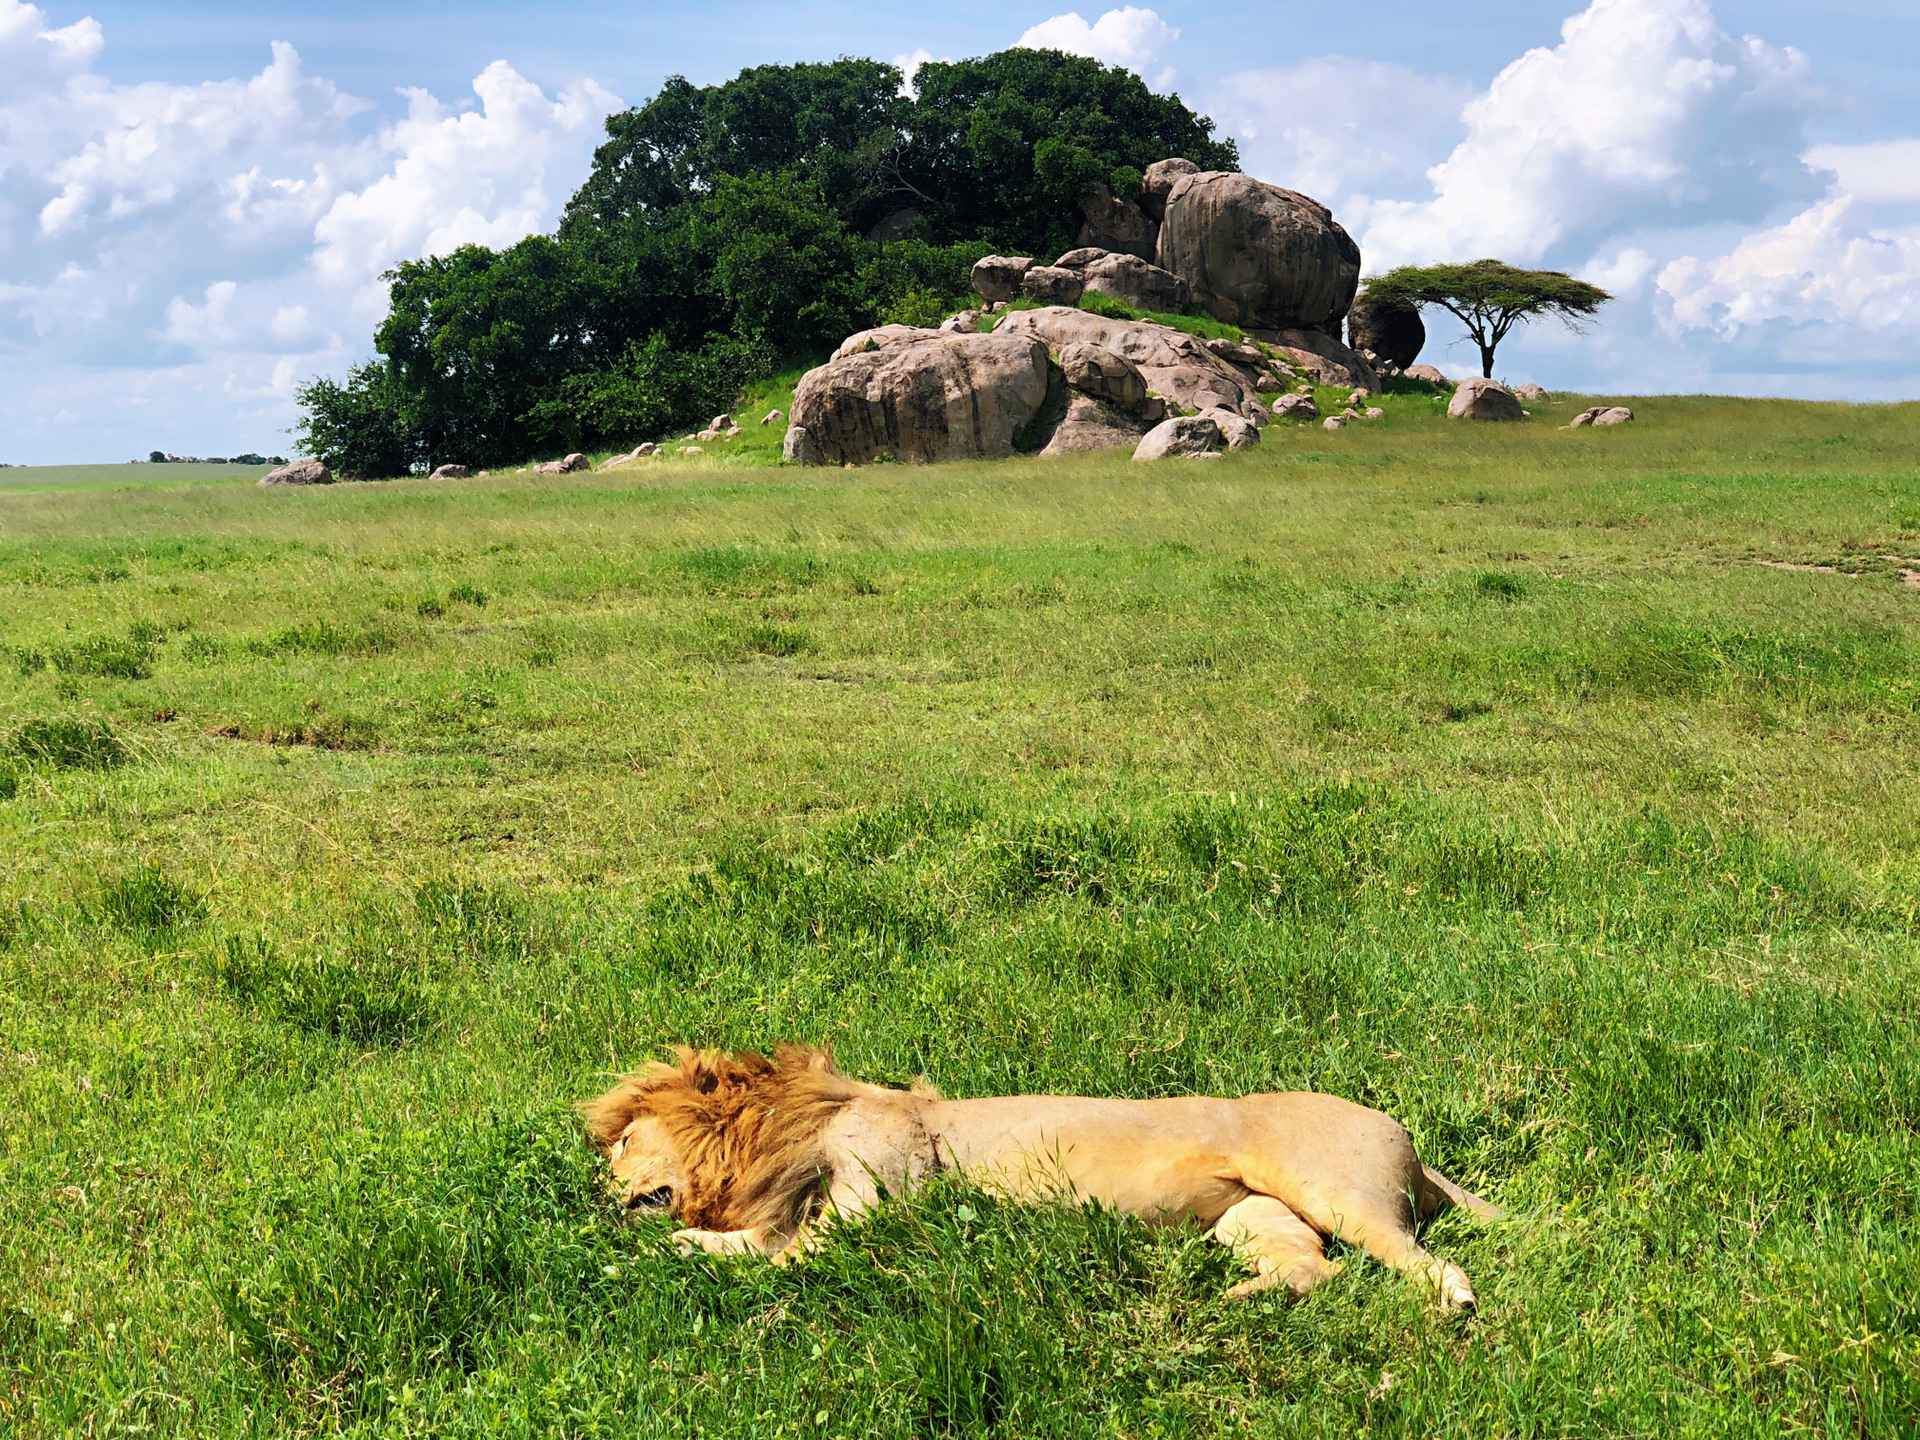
(1428,373)
(1183,435)
(1334,422)
(450,472)
(720,422)
(300,472)
(1360,397)
(732,430)
(707,437)
(798,448)
(1600,415)
(1297,407)
(1530,391)
(773,417)
(691,450)
(965,322)
(1374,412)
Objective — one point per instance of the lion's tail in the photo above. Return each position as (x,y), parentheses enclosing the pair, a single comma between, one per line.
(1440,1192)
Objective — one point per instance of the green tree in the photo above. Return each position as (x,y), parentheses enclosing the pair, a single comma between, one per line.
(1490,297)
(360,427)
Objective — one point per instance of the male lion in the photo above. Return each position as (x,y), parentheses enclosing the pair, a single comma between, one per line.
(754,1154)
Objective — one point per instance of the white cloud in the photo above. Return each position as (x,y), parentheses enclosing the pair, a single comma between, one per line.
(1827,266)
(1340,130)
(1884,172)
(177,257)
(909,67)
(1131,36)
(1645,113)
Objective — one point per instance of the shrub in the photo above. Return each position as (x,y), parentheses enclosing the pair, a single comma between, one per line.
(148,903)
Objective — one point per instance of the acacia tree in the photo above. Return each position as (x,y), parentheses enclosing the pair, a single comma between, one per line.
(1490,297)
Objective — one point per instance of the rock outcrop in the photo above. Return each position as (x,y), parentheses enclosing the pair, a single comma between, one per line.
(450,472)
(1321,356)
(300,472)
(1108,406)
(919,396)
(1117,225)
(1258,256)
(996,278)
(1429,373)
(1178,367)
(566,466)
(1479,399)
(1393,332)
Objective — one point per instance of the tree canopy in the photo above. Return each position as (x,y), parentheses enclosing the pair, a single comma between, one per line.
(725,227)
(1490,297)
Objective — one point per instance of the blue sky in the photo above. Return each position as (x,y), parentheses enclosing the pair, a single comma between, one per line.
(196,201)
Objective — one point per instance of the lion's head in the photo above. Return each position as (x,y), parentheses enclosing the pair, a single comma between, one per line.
(724,1142)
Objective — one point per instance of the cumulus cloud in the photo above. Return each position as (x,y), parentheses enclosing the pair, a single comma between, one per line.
(1340,130)
(177,257)
(1646,113)
(1829,265)
(1131,36)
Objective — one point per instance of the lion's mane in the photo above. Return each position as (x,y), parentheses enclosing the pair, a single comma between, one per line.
(745,1129)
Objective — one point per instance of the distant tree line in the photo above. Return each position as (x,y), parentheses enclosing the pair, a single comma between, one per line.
(725,229)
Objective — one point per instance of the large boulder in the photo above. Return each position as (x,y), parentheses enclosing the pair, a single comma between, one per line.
(1053,285)
(1160,179)
(1176,366)
(1091,423)
(1184,436)
(920,399)
(300,472)
(1118,225)
(1479,399)
(996,278)
(1258,256)
(1395,332)
(1103,374)
(863,341)
(1323,357)
(1136,282)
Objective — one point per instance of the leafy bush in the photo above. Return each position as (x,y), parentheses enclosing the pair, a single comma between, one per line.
(363,427)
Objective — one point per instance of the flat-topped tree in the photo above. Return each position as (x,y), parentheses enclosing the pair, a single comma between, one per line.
(1490,297)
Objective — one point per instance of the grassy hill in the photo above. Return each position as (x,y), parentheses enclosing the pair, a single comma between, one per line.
(1505,778)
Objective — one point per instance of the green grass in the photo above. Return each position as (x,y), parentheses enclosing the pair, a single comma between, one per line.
(1479,773)
(30,477)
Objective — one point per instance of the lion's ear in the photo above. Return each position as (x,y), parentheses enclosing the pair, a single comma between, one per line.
(805,1057)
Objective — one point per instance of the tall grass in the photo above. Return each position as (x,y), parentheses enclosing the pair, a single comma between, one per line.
(1480,775)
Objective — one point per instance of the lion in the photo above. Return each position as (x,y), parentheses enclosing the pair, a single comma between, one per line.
(754,1155)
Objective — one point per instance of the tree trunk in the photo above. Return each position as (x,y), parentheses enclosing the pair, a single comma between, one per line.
(1486,361)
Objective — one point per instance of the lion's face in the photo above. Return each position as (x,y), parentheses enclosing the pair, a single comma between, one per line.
(646,1170)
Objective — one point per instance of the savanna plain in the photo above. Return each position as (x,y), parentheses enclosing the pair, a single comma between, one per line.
(1505,778)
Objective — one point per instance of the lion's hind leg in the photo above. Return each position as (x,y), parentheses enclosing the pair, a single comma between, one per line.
(1281,1247)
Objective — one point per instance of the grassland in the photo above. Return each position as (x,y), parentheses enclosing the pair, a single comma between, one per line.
(1485,775)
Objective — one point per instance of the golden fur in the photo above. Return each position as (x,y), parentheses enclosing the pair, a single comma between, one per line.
(749,1153)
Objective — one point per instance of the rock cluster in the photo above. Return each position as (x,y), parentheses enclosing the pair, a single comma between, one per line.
(1052,379)
(1597,415)
(566,466)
